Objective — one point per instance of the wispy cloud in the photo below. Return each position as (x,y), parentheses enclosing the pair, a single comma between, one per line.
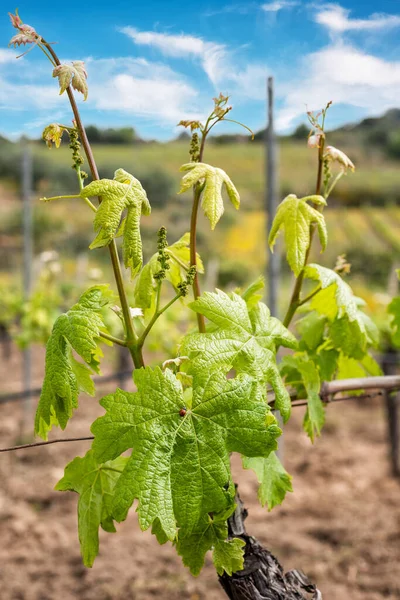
(7,55)
(139,87)
(218,61)
(337,20)
(279,5)
(238,9)
(345,75)
(169,45)
(129,86)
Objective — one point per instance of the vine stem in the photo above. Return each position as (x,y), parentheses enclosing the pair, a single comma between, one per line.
(158,312)
(193,255)
(112,338)
(201,323)
(295,301)
(130,332)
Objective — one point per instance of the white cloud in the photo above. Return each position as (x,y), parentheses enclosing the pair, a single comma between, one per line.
(345,75)
(217,60)
(17,96)
(7,55)
(163,100)
(169,45)
(130,86)
(279,5)
(337,20)
(140,87)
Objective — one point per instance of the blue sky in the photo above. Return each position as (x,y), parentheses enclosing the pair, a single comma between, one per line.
(153,63)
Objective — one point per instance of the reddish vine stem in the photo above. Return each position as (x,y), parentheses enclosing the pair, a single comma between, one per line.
(130,333)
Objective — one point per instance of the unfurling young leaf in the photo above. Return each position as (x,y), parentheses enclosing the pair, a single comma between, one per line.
(242,339)
(295,216)
(179,469)
(77,330)
(52,134)
(124,192)
(274,480)
(95,485)
(212,179)
(74,75)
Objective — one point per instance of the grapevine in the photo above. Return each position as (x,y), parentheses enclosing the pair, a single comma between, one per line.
(209,399)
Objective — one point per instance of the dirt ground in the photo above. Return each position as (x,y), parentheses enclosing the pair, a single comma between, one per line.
(341,526)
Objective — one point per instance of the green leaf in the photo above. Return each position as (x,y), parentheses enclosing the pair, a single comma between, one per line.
(95,485)
(179,264)
(314,418)
(211,533)
(295,216)
(350,367)
(243,339)
(251,294)
(179,469)
(78,330)
(74,75)
(311,329)
(124,192)
(212,179)
(351,330)
(228,555)
(394,310)
(274,480)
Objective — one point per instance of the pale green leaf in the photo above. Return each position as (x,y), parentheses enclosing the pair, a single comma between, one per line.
(295,216)
(274,480)
(124,192)
(212,179)
(95,484)
(243,339)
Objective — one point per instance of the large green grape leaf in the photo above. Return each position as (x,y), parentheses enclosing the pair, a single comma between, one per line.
(295,216)
(394,310)
(179,264)
(79,330)
(211,533)
(95,485)
(122,192)
(350,329)
(242,339)
(274,480)
(212,179)
(179,468)
(299,368)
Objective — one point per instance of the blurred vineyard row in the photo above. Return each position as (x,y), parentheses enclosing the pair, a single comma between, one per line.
(363,215)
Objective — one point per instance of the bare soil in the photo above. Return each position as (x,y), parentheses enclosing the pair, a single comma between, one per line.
(341,526)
